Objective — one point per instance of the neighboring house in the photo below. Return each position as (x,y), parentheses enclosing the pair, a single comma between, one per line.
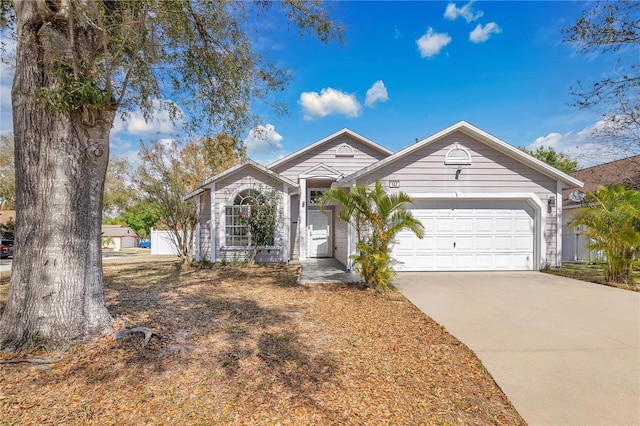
(119,237)
(621,172)
(485,204)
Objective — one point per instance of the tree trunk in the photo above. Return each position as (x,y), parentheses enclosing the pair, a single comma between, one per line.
(56,294)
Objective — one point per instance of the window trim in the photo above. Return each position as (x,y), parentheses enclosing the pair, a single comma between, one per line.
(323,190)
(223,228)
(345,146)
(457,161)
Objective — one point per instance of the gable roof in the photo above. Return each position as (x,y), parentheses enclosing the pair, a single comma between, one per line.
(236,168)
(619,172)
(322,170)
(339,133)
(117,231)
(479,135)
(625,171)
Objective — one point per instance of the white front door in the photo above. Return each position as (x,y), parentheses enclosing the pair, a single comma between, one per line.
(319,233)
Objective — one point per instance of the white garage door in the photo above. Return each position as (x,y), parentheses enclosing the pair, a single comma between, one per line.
(469,235)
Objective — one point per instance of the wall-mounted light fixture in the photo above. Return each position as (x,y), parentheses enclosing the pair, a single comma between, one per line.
(303,204)
(458,171)
(551,203)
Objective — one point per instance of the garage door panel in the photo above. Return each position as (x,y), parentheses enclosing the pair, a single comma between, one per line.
(469,235)
(484,242)
(464,224)
(464,243)
(443,225)
(522,243)
(484,224)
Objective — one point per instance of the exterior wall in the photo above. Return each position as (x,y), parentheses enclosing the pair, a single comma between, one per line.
(364,155)
(205,225)
(340,230)
(226,189)
(574,242)
(491,171)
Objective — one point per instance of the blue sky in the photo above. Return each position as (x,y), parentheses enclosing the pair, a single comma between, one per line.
(410,69)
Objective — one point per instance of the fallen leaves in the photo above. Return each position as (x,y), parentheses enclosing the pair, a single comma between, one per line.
(249,346)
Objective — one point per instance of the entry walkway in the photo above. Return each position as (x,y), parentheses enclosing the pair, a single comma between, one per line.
(316,271)
(565,352)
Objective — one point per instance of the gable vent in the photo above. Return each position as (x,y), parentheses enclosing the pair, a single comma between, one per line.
(344,150)
(457,155)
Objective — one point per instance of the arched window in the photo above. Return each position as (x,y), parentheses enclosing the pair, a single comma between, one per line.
(344,150)
(237,234)
(457,155)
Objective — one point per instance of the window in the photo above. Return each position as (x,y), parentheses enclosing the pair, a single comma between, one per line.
(344,150)
(237,234)
(457,155)
(315,195)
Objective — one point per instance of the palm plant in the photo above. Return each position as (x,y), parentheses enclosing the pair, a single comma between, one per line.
(377,217)
(612,220)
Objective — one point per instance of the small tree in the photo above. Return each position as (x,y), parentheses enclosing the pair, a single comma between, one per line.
(612,221)
(7,230)
(165,175)
(260,220)
(142,217)
(107,242)
(559,160)
(377,217)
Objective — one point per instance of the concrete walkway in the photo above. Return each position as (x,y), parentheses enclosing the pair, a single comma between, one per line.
(329,270)
(564,352)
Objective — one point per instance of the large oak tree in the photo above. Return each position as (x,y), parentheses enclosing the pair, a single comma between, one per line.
(80,62)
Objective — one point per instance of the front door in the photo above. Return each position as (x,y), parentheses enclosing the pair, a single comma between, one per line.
(319,233)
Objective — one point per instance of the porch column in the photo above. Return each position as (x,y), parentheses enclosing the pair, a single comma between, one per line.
(285,238)
(351,242)
(197,238)
(302,222)
(212,225)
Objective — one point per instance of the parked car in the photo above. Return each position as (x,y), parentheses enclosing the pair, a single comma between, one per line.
(6,248)
(144,244)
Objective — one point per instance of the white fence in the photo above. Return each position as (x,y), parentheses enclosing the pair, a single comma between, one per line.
(162,243)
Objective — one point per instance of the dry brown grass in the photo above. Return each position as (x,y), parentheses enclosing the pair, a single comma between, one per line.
(250,346)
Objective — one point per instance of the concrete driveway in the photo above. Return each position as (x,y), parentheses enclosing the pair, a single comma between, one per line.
(564,352)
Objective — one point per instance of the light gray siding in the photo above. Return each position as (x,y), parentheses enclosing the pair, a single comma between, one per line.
(226,189)
(340,231)
(364,155)
(425,172)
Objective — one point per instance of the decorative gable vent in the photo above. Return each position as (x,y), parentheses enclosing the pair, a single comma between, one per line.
(457,155)
(344,150)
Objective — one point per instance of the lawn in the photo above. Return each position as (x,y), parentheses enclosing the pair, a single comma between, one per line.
(591,273)
(250,346)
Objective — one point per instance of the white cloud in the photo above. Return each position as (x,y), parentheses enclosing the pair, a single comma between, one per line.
(481,34)
(453,12)
(581,146)
(262,140)
(431,43)
(159,122)
(377,92)
(329,101)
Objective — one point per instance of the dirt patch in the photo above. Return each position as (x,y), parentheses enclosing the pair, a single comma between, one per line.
(250,346)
